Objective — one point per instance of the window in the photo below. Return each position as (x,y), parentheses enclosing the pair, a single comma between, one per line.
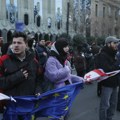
(96,10)
(109,11)
(116,14)
(59,18)
(104,12)
(26,19)
(49,6)
(38,20)
(49,22)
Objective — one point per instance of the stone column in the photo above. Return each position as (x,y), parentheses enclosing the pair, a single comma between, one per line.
(3,9)
(31,11)
(20,10)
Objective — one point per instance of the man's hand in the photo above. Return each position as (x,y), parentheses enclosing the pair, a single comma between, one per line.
(25,73)
(44,53)
(37,94)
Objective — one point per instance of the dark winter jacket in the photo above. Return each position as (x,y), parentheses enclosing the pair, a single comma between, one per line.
(12,80)
(80,64)
(58,73)
(40,49)
(106,61)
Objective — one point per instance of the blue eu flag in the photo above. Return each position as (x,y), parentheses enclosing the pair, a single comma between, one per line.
(53,104)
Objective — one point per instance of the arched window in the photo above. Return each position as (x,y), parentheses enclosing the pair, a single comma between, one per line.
(38,21)
(46,37)
(9,36)
(40,36)
(51,37)
(11,10)
(49,22)
(26,19)
(58,18)
(36,37)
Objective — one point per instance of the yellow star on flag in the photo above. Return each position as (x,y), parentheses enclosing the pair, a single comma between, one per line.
(66,97)
(50,117)
(61,117)
(66,108)
(56,95)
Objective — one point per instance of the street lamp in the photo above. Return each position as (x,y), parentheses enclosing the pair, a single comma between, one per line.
(67,24)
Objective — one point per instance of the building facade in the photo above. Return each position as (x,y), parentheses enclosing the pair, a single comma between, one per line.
(105,18)
(47,19)
(97,17)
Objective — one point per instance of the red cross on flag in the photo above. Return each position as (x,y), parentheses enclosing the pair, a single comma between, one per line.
(99,75)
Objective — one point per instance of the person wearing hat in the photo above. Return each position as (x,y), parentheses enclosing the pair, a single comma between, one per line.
(107,62)
(56,70)
(31,45)
(118,63)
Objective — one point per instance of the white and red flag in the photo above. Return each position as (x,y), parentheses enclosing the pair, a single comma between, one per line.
(99,75)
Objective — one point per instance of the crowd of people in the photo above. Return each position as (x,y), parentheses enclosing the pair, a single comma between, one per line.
(28,67)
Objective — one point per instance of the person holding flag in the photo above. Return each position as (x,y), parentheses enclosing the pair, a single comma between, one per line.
(118,63)
(19,70)
(56,70)
(107,63)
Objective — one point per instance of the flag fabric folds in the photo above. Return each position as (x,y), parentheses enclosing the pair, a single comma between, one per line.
(53,104)
(99,75)
(5,97)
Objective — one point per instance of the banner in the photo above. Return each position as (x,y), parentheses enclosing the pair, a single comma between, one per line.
(99,75)
(19,26)
(5,97)
(52,104)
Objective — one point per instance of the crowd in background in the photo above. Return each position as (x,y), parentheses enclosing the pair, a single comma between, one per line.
(55,62)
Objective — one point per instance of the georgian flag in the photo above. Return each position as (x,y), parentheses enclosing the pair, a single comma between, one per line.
(99,75)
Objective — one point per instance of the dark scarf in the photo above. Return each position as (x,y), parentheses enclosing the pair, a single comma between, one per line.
(60,58)
(59,45)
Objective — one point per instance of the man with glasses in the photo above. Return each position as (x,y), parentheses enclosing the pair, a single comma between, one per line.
(107,62)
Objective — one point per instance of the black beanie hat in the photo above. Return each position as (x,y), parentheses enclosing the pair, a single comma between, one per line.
(60,44)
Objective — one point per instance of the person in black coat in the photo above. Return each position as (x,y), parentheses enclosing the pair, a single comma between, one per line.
(107,62)
(19,69)
(42,52)
(80,62)
(19,60)
(4,48)
(118,63)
